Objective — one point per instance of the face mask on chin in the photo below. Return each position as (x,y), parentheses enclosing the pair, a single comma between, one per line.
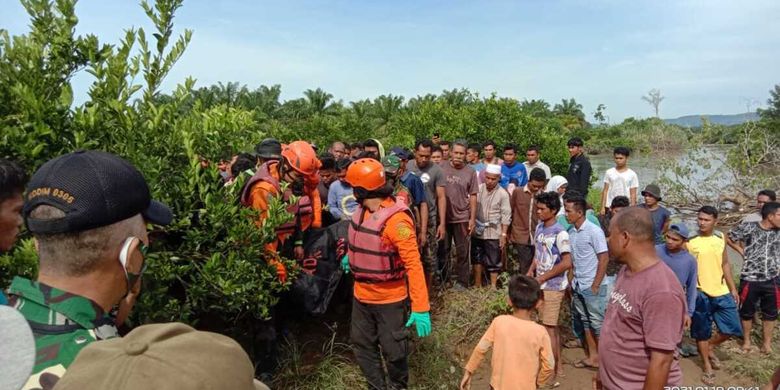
(297,187)
(361,194)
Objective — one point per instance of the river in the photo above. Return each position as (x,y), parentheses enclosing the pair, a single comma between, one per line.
(648,168)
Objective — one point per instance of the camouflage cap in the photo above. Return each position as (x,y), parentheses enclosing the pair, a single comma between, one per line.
(163,356)
(391,163)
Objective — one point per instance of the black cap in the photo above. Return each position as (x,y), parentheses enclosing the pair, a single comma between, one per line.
(93,189)
(269,148)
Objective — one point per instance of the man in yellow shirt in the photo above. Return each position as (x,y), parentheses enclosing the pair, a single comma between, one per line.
(717,297)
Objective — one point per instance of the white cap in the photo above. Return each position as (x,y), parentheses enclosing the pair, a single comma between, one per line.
(493,169)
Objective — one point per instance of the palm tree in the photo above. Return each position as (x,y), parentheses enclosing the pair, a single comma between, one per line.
(570,113)
(387,106)
(319,102)
(361,108)
(227,93)
(536,107)
(457,97)
(264,99)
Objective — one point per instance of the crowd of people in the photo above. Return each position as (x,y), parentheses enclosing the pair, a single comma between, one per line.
(444,214)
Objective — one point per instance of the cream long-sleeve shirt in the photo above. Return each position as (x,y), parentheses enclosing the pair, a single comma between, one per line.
(493,207)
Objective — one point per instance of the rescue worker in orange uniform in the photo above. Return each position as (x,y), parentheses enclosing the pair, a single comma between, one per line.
(298,164)
(385,262)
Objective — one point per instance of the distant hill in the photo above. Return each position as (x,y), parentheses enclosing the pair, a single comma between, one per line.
(725,120)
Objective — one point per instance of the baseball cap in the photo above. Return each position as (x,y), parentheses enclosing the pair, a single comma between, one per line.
(680,229)
(652,190)
(391,163)
(269,148)
(162,356)
(402,153)
(93,189)
(18,357)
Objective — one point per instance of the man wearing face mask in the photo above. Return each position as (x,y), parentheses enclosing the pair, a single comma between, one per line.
(298,168)
(385,262)
(87,212)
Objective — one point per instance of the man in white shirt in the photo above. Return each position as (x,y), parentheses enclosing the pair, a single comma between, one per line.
(532,161)
(620,180)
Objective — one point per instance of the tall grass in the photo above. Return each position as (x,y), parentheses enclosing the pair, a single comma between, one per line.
(333,371)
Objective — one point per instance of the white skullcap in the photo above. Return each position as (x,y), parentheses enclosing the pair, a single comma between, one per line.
(493,169)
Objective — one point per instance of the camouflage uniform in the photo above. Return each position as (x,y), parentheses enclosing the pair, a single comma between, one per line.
(429,251)
(62,323)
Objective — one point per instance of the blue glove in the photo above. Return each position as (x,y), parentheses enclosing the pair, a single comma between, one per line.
(345,264)
(423,322)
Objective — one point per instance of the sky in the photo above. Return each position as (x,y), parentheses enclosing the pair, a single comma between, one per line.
(706,57)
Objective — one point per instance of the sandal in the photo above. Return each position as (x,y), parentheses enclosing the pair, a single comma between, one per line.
(708,378)
(714,362)
(553,385)
(583,364)
(572,344)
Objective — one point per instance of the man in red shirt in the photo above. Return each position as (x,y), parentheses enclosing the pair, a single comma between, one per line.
(645,313)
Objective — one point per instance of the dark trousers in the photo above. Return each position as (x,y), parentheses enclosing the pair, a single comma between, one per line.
(459,233)
(520,258)
(381,325)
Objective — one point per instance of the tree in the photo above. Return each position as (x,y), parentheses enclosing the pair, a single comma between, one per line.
(387,106)
(319,102)
(536,107)
(654,98)
(599,114)
(772,112)
(571,114)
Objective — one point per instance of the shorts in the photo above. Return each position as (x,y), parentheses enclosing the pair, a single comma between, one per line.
(754,294)
(588,308)
(552,307)
(722,310)
(486,253)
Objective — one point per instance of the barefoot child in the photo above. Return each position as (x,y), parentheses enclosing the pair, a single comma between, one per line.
(522,354)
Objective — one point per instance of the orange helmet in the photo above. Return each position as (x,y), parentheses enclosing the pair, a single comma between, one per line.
(301,157)
(366,173)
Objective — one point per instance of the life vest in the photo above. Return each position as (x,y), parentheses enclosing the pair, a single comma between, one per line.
(301,209)
(371,259)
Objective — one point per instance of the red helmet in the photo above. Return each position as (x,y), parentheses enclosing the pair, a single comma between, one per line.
(366,173)
(300,156)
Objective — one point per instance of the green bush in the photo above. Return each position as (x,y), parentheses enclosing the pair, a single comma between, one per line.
(209,266)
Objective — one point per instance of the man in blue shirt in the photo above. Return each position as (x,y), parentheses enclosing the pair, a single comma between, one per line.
(589,286)
(341,200)
(513,174)
(682,263)
(472,158)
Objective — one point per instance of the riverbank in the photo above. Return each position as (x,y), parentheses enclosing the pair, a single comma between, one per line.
(459,320)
